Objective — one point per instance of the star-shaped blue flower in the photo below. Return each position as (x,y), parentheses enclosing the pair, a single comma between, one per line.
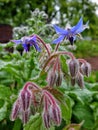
(69,33)
(27,41)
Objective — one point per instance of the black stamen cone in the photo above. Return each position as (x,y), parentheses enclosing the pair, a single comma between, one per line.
(71,40)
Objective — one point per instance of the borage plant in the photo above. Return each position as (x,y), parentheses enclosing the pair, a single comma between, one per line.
(46,107)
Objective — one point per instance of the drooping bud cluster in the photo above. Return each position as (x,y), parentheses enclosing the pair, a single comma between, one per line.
(51,113)
(55,74)
(78,68)
(29,98)
(21,107)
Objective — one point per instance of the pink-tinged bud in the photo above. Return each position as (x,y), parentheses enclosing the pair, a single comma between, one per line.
(52,77)
(15,110)
(25,97)
(73,67)
(59,79)
(80,80)
(46,119)
(73,81)
(50,98)
(86,69)
(55,114)
(25,116)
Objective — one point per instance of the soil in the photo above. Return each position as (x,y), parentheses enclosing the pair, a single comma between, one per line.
(94,62)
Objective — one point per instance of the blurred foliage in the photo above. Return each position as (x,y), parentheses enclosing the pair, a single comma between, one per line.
(60,11)
(86,48)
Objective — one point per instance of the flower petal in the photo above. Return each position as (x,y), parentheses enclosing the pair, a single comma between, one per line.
(33,39)
(83,27)
(16,41)
(58,40)
(25,46)
(60,30)
(37,47)
(76,29)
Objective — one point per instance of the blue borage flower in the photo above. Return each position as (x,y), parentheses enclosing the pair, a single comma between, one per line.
(28,41)
(69,33)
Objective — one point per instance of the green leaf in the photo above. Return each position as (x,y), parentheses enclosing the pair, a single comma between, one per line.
(17,125)
(3,64)
(81,95)
(83,112)
(94,106)
(3,111)
(36,123)
(66,109)
(63,64)
(12,71)
(5,92)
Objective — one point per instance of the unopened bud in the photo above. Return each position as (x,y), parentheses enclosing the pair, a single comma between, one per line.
(59,79)
(80,80)
(55,114)
(73,67)
(25,96)
(52,77)
(86,69)
(15,110)
(25,116)
(46,119)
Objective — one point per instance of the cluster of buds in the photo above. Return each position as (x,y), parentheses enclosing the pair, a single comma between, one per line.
(55,74)
(51,112)
(26,98)
(29,97)
(78,68)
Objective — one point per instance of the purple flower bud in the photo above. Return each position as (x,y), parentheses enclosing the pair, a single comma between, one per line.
(86,69)
(25,116)
(55,114)
(52,77)
(15,110)
(80,80)
(25,97)
(73,67)
(59,79)
(46,119)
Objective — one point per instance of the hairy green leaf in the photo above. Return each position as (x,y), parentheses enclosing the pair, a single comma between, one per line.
(3,111)
(36,123)
(84,113)
(66,109)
